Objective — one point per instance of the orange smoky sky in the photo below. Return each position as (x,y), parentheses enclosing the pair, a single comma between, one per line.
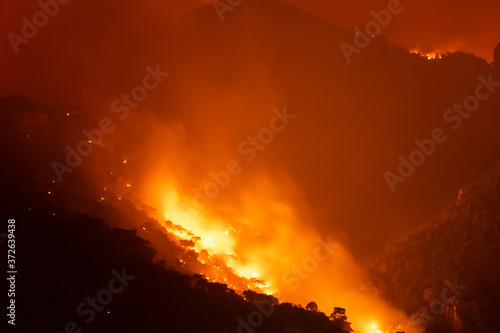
(426,25)
(423,25)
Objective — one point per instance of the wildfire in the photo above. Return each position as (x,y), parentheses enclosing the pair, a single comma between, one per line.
(213,239)
(259,239)
(429,56)
(216,243)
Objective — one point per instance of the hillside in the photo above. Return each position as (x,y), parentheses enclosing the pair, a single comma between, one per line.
(73,257)
(460,247)
(67,259)
(221,160)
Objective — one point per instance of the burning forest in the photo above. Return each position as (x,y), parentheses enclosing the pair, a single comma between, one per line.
(250,166)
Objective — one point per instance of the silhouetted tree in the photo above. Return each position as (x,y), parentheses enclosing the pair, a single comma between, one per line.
(339,318)
(312,306)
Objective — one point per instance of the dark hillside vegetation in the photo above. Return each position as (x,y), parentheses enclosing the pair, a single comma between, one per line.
(461,246)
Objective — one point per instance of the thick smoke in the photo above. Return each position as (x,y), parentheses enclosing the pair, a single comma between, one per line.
(225,86)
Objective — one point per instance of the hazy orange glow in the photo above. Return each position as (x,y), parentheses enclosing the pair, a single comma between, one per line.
(261,232)
(319,178)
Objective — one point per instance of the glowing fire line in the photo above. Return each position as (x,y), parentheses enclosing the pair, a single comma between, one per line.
(216,242)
